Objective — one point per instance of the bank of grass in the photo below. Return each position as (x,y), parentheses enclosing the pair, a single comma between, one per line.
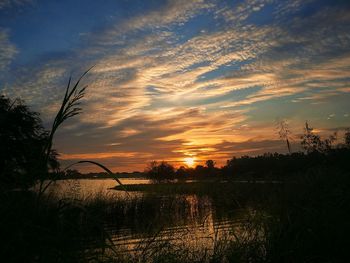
(211,188)
(172,188)
(51,230)
(309,220)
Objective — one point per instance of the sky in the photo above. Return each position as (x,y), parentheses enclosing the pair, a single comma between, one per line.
(179,79)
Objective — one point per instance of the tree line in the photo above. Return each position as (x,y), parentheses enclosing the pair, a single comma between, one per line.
(316,153)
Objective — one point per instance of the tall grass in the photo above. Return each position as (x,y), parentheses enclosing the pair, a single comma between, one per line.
(69,108)
(303,221)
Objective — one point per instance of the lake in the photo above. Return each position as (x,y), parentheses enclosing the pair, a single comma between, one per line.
(190,221)
(86,188)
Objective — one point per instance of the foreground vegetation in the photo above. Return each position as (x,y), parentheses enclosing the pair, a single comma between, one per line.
(303,221)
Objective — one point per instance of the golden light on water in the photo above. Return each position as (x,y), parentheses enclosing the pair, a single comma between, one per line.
(189,161)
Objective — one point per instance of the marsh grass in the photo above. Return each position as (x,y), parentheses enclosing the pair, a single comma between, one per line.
(302,221)
(305,220)
(54,231)
(69,108)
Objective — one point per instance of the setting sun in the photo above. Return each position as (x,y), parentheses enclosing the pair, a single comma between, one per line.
(189,161)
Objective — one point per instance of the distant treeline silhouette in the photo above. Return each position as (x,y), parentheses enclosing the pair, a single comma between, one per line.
(317,153)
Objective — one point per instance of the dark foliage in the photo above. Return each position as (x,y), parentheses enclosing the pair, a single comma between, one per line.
(210,164)
(318,152)
(281,166)
(23,140)
(312,142)
(160,172)
(347,138)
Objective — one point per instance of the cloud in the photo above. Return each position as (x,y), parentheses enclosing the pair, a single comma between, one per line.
(156,93)
(13,3)
(173,12)
(7,49)
(242,10)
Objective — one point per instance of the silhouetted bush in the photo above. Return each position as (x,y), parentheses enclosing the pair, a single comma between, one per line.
(160,172)
(347,138)
(23,140)
(312,142)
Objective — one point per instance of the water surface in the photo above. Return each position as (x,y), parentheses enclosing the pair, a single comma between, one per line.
(149,220)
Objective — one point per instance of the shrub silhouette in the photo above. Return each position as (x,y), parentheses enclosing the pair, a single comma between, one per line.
(210,164)
(23,140)
(160,172)
(347,138)
(312,143)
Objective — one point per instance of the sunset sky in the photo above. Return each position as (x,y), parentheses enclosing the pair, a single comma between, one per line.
(179,79)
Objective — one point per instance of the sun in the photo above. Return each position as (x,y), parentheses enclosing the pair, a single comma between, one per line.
(189,161)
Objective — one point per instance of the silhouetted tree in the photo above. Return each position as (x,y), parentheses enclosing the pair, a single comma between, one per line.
(210,164)
(181,173)
(347,138)
(23,140)
(200,170)
(328,143)
(311,142)
(72,173)
(159,172)
(229,167)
